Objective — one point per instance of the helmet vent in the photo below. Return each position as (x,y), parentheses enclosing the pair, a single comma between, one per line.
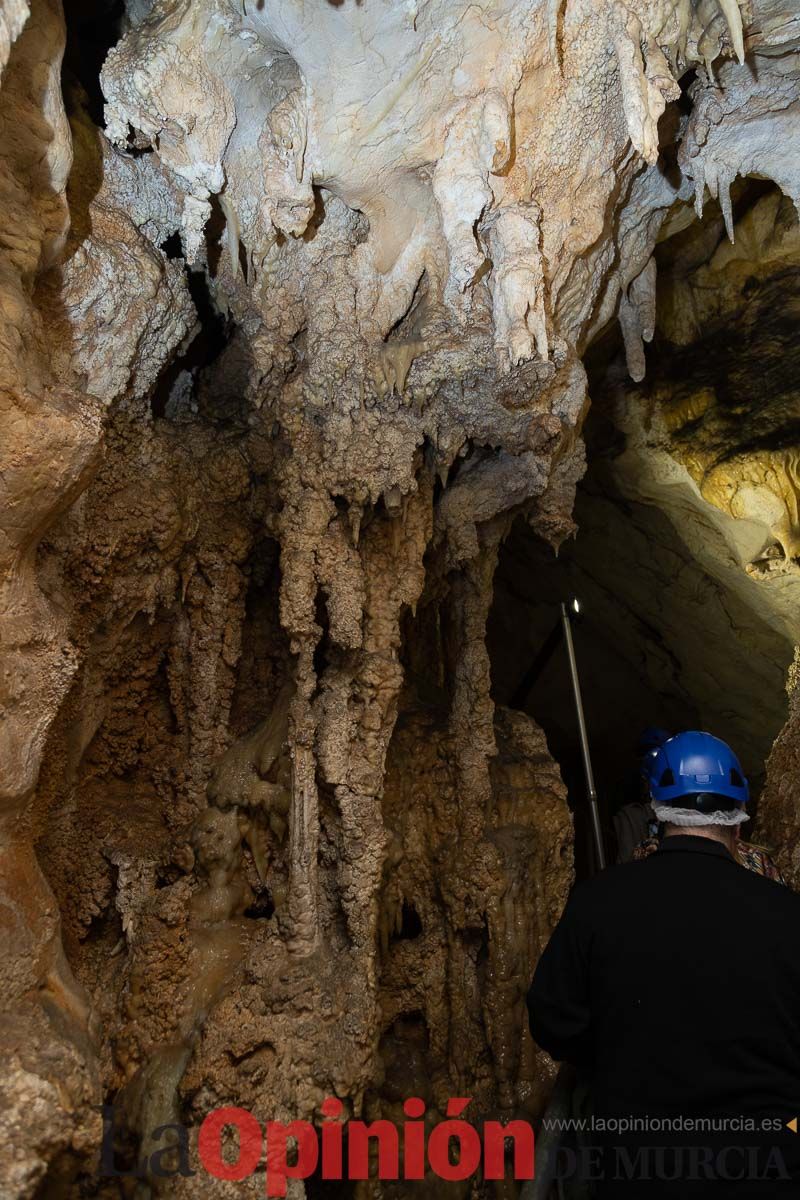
(668,778)
(736,778)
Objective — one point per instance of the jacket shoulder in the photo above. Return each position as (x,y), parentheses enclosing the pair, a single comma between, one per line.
(622,877)
(625,879)
(773,890)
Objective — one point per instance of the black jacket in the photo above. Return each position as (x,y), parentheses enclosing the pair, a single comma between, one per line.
(674,983)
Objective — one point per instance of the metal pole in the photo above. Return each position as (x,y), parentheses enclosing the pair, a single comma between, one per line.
(587,760)
(548,1143)
(560,1102)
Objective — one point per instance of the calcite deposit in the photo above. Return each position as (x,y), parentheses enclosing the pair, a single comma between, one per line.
(296,298)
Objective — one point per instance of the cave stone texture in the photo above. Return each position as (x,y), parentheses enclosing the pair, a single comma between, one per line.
(295,302)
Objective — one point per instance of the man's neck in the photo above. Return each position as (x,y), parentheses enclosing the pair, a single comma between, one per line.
(726,834)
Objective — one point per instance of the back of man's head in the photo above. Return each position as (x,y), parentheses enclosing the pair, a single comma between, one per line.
(697,787)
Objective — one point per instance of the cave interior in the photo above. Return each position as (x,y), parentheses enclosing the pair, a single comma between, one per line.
(341,349)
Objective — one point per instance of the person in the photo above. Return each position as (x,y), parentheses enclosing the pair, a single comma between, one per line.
(752,857)
(639,833)
(673,984)
(634,821)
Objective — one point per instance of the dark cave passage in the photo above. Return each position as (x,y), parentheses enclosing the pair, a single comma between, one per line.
(661,641)
(683,556)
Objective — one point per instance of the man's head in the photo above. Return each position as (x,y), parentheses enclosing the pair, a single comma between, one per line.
(697,787)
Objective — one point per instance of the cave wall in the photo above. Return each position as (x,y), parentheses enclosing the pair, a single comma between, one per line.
(663,639)
(684,562)
(711,440)
(293,330)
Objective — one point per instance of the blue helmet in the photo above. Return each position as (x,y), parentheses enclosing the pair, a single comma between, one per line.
(695,764)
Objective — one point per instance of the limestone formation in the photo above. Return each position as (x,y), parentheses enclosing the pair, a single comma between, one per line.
(296,299)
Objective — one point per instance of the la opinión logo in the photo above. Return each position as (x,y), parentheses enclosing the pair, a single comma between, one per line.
(454,1149)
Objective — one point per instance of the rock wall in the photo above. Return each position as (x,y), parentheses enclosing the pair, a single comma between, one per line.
(709,439)
(684,560)
(287,345)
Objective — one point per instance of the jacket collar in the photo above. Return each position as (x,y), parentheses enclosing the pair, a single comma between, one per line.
(683,843)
